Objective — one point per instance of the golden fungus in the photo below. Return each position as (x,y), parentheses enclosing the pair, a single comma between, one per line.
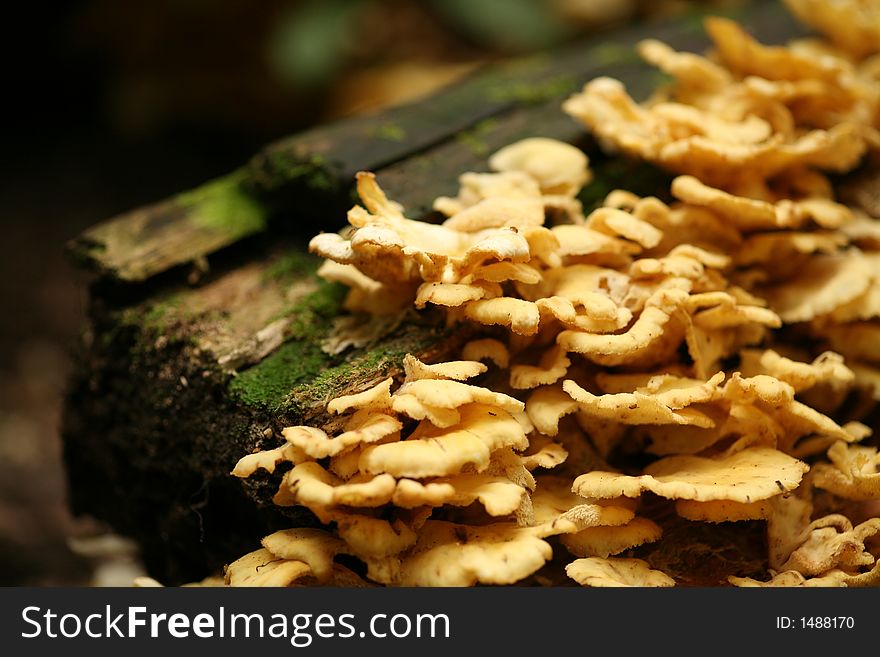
(709,350)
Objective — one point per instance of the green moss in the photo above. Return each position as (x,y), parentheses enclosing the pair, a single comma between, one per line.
(531,64)
(299,375)
(533,93)
(374,363)
(144,331)
(620,173)
(293,265)
(313,171)
(611,53)
(157,316)
(311,314)
(269,382)
(387,131)
(225,205)
(473,139)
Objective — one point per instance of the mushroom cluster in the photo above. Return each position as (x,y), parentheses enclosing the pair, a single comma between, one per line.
(691,356)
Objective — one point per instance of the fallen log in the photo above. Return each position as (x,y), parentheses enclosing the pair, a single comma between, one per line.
(210,331)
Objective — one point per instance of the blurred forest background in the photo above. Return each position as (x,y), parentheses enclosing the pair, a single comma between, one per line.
(111,105)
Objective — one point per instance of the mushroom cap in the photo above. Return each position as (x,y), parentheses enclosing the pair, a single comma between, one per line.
(616,572)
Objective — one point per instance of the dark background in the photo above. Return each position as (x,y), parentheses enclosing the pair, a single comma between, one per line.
(110,105)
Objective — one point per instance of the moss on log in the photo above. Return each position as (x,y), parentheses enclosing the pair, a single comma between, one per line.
(171,391)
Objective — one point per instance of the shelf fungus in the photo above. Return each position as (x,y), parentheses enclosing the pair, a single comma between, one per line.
(639,378)
(616,572)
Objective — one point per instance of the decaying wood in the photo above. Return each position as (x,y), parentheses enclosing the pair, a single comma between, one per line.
(147,241)
(172,390)
(180,378)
